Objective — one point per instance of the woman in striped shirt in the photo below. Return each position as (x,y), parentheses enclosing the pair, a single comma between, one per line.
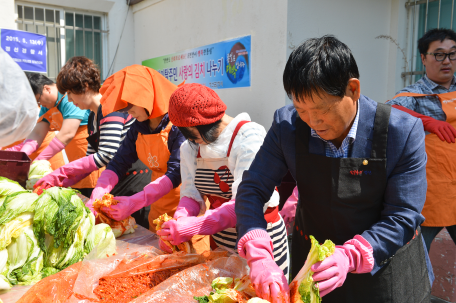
(80,79)
(219,148)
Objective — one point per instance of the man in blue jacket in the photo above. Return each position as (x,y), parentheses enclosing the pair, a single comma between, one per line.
(360,170)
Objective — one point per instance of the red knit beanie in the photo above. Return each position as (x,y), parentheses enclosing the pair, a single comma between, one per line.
(195,104)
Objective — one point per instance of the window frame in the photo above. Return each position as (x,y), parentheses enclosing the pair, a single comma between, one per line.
(61,25)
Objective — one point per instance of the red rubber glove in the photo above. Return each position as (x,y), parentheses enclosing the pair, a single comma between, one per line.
(267,278)
(444,130)
(69,174)
(355,256)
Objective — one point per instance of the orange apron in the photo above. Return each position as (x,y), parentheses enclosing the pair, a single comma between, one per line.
(77,147)
(440,206)
(153,151)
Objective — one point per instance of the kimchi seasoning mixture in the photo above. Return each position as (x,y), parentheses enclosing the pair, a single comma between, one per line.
(126,289)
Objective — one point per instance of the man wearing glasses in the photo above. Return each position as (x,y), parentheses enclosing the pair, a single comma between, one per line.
(433,100)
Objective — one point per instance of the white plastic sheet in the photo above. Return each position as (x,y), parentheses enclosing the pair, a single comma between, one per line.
(18,107)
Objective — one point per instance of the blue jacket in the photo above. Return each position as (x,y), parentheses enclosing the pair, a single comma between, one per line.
(126,155)
(405,192)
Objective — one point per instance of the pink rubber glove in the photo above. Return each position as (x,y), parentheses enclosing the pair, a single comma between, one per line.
(267,278)
(68,174)
(288,211)
(106,182)
(187,207)
(213,221)
(128,205)
(17,147)
(355,256)
(29,147)
(53,148)
(164,247)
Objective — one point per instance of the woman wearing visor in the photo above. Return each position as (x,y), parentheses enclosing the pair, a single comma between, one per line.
(80,80)
(218,151)
(153,139)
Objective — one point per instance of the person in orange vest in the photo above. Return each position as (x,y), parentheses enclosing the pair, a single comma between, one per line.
(80,78)
(58,114)
(433,100)
(144,93)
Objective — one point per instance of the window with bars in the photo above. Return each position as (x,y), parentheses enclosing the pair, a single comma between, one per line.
(422,16)
(68,34)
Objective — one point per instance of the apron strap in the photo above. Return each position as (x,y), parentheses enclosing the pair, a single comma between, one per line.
(236,130)
(380,137)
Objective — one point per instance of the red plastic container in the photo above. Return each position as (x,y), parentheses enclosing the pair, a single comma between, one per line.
(14,165)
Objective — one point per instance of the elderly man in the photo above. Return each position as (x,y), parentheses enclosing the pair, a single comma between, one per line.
(360,170)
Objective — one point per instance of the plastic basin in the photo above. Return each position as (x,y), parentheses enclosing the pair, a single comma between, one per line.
(14,165)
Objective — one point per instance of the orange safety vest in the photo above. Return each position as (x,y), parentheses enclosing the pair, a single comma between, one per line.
(440,207)
(77,147)
(153,151)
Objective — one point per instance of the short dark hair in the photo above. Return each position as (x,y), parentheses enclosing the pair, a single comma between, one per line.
(38,81)
(208,132)
(319,64)
(78,74)
(435,34)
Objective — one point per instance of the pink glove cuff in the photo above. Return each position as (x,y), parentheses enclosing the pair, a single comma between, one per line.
(187,207)
(53,148)
(78,170)
(17,147)
(294,195)
(164,183)
(361,253)
(29,146)
(251,235)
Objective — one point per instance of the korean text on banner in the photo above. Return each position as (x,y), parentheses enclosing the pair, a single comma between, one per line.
(224,64)
(27,49)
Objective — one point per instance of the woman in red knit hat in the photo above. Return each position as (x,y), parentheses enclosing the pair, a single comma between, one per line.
(219,148)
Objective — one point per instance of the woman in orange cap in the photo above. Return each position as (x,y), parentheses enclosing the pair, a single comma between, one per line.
(144,94)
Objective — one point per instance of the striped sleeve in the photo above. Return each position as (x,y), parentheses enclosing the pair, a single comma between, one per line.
(113,129)
(90,150)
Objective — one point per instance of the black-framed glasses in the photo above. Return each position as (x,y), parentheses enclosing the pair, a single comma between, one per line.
(442,56)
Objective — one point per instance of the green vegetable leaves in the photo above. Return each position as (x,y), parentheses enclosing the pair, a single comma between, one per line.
(38,170)
(307,289)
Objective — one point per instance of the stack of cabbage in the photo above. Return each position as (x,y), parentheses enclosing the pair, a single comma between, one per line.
(41,235)
(38,170)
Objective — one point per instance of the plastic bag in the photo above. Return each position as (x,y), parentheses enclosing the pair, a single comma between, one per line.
(79,283)
(194,281)
(19,112)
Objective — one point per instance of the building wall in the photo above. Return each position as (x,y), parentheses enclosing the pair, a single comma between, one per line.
(115,12)
(7,15)
(357,23)
(165,27)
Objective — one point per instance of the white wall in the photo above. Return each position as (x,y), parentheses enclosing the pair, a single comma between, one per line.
(126,52)
(169,26)
(356,23)
(7,15)
(116,11)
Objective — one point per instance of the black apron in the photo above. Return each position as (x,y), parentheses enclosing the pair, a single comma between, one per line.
(343,197)
(135,179)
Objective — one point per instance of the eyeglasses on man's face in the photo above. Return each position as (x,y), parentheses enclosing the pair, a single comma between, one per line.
(442,56)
